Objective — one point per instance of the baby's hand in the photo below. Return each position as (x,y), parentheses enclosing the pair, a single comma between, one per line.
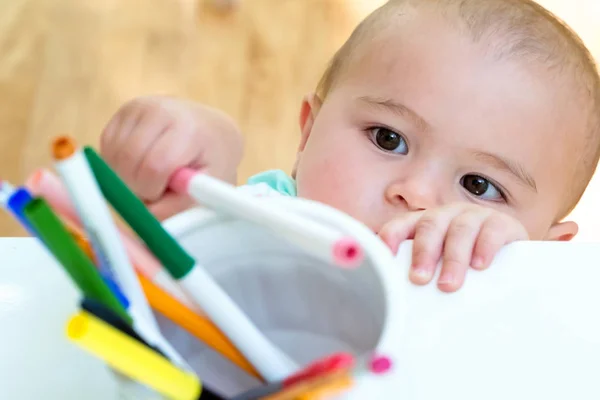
(460,235)
(149,138)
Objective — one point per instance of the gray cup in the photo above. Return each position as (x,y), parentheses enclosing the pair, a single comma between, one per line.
(306,307)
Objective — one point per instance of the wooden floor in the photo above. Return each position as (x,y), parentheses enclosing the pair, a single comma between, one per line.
(66,66)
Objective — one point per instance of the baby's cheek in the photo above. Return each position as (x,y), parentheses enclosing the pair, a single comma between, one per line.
(337,185)
(323,181)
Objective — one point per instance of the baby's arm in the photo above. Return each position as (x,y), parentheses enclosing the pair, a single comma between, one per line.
(149,138)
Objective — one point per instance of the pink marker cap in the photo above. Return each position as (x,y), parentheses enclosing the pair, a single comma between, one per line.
(347,253)
(380,364)
(180,180)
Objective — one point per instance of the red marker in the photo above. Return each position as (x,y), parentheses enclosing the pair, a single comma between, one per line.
(328,365)
(342,367)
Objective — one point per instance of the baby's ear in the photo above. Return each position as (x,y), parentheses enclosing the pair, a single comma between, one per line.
(308,112)
(563,231)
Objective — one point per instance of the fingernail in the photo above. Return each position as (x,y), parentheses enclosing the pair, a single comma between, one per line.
(446,279)
(478,262)
(421,273)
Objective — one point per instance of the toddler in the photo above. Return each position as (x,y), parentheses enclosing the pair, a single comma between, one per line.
(461,124)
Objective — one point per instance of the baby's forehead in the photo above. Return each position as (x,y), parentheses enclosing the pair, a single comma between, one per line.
(562,67)
(497,39)
(426,46)
(519,31)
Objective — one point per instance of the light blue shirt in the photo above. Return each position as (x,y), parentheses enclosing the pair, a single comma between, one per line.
(276,180)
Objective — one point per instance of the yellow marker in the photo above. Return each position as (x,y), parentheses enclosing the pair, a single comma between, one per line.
(131,358)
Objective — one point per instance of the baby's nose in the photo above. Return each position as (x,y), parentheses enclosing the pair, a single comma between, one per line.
(413,195)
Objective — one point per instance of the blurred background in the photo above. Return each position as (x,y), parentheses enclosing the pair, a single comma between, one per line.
(67,65)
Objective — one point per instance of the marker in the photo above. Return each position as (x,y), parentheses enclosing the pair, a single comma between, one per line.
(128,389)
(104,237)
(199,326)
(319,388)
(328,244)
(333,373)
(271,362)
(13,200)
(328,378)
(88,250)
(16,203)
(47,185)
(131,358)
(98,223)
(105,314)
(327,365)
(78,266)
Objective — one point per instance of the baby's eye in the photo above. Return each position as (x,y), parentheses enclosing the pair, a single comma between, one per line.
(481,187)
(388,140)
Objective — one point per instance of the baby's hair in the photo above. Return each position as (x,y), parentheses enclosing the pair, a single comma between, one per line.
(515,29)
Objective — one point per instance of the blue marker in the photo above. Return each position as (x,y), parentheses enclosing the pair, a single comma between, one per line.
(116,290)
(16,204)
(106,270)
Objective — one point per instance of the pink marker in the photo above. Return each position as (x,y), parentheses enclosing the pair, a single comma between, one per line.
(318,239)
(45,184)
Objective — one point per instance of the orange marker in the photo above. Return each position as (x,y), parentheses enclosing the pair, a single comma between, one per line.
(316,388)
(328,389)
(196,325)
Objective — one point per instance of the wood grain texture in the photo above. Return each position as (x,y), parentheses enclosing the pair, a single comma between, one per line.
(67,65)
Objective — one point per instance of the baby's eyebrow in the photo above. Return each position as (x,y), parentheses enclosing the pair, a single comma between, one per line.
(510,166)
(396,108)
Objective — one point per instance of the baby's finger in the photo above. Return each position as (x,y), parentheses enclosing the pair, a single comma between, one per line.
(458,248)
(429,242)
(108,136)
(399,229)
(139,142)
(129,117)
(496,231)
(169,205)
(164,158)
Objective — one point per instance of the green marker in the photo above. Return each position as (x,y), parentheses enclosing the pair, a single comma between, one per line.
(177,261)
(271,362)
(78,266)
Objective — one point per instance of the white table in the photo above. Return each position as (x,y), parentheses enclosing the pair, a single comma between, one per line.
(528,328)
(36,360)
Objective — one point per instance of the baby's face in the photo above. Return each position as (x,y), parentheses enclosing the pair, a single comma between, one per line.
(431,120)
